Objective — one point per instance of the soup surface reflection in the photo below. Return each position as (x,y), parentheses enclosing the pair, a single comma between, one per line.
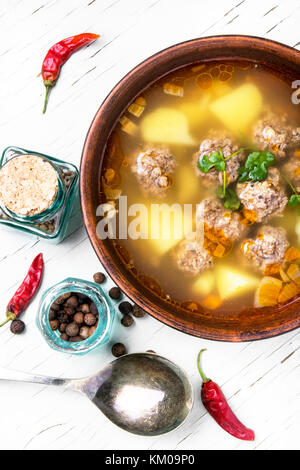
(218,144)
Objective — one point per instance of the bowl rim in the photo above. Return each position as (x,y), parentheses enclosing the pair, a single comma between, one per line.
(254,42)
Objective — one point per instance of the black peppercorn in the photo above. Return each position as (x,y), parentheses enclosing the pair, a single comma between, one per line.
(62,327)
(61,299)
(84,332)
(54,324)
(92,330)
(90,319)
(125,307)
(72,301)
(138,312)
(17,327)
(62,317)
(127,320)
(118,350)
(72,329)
(115,293)
(69,310)
(79,318)
(99,278)
(74,315)
(75,339)
(52,315)
(85,308)
(93,309)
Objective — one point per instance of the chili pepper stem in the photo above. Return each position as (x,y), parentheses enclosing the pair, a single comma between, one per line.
(203,376)
(10,317)
(46,98)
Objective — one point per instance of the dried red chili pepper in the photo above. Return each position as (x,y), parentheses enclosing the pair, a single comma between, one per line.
(58,54)
(26,291)
(216,404)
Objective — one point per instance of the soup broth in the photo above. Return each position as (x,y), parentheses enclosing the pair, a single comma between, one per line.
(164,150)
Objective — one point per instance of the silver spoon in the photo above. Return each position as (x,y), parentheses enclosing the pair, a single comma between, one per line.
(142,393)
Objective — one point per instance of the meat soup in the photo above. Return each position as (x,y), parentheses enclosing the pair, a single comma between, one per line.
(223,139)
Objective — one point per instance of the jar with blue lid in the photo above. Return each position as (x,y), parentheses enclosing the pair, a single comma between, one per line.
(103,303)
(52,219)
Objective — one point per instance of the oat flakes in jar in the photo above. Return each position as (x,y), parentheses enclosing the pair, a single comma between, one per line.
(38,194)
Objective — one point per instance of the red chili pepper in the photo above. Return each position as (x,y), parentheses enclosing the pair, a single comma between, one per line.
(26,291)
(215,402)
(58,55)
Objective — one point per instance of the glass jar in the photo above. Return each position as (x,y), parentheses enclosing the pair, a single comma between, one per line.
(63,216)
(97,295)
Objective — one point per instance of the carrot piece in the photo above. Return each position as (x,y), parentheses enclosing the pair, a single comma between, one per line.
(219,251)
(292,254)
(284,276)
(249,217)
(212,302)
(289,291)
(268,292)
(293,271)
(141,101)
(272,269)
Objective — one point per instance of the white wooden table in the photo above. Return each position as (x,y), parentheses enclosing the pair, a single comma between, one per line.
(261,379)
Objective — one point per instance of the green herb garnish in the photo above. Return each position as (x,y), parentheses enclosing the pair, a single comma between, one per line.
(218,161)
(214,160)
(256,166)
(231,200)
(294,199)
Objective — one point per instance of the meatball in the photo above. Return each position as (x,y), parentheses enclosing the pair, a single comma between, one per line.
(274,134)
(292,170)
(214,216)
(153,168)
(268,247)
(213,144)
(265,199)
(191,257)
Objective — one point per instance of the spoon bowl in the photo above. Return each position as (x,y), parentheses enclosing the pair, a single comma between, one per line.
(141,393)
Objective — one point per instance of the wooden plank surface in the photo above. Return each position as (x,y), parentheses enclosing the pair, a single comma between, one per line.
(261,379)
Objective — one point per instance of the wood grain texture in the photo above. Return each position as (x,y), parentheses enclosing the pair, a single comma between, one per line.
(261,379)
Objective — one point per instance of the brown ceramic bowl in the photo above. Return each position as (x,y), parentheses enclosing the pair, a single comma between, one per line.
(248,325)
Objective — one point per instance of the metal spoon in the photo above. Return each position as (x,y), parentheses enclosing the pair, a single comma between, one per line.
(142,393)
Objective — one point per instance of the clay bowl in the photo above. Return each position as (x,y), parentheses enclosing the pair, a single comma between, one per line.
(247,325)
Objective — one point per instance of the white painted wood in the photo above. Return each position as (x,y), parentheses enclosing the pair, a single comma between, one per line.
(261,379)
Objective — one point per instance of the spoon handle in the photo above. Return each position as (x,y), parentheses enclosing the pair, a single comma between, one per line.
(14,375)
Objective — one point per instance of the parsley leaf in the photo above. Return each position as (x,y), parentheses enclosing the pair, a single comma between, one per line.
(214,160)
(218,161)
(256,166)
(231,200)
(294,199)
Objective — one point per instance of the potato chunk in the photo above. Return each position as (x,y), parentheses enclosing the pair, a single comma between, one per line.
(196,111)
(231,282)
(238,109)
(166,125)
(205,284)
